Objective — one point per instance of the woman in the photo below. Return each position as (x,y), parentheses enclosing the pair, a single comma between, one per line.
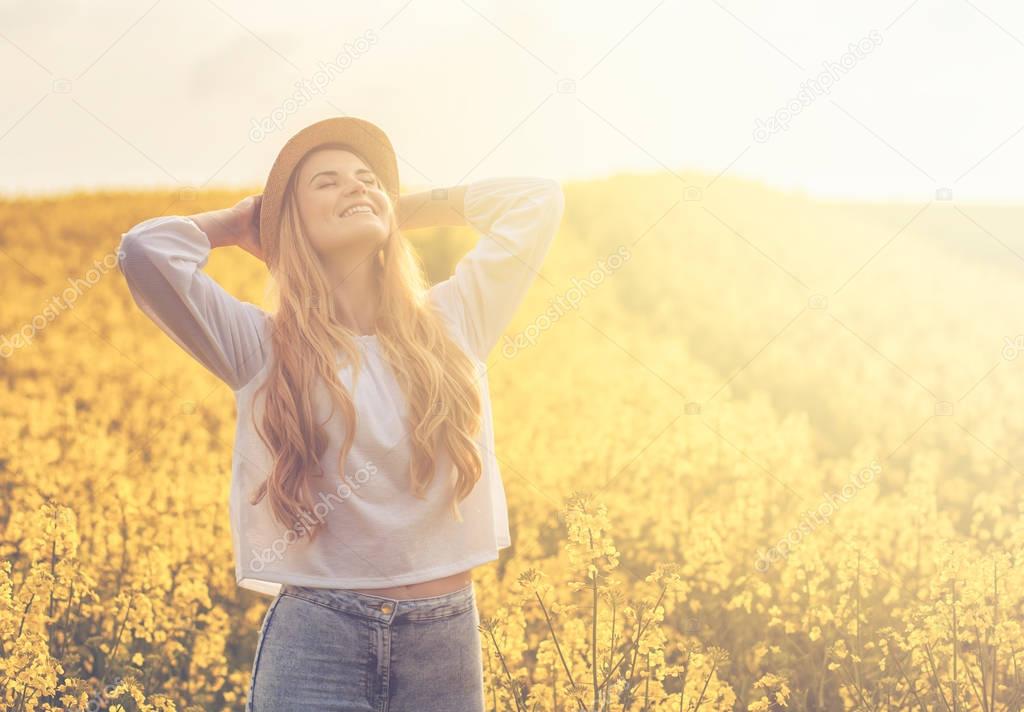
(364,482)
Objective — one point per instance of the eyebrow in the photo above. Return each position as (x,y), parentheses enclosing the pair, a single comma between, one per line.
(334,173)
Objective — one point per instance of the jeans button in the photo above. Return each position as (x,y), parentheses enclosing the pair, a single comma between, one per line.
(385,608)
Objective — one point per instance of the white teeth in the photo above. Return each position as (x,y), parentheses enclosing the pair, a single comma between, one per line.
(356,209)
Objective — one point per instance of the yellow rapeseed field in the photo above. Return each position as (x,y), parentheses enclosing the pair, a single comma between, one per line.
(761,453)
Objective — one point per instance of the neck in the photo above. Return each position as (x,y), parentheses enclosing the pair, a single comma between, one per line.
(353,281)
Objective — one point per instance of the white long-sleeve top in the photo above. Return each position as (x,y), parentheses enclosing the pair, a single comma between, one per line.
(378,534)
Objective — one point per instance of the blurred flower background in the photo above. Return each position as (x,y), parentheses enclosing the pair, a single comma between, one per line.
(758,418)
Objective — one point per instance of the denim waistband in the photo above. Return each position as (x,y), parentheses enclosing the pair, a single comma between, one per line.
(384,609)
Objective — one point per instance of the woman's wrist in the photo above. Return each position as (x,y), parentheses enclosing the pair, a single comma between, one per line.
(220,226)
(439,207)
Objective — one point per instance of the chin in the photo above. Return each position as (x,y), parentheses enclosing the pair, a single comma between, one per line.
(354,239)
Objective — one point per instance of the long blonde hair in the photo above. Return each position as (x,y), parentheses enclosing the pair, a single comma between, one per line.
(436,376)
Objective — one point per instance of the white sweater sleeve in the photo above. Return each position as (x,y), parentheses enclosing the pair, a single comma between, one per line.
(162,259)
(518,218)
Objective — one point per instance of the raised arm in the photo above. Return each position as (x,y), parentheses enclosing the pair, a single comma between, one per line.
(517,218)
(162,260)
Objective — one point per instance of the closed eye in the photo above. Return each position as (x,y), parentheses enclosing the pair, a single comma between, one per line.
(371,182)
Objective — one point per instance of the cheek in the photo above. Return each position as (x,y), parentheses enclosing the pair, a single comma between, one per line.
(314,215)
(322,205)
(313,200)
(386,215)
(317,212)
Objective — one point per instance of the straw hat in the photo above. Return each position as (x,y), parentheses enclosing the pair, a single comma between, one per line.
(363,136)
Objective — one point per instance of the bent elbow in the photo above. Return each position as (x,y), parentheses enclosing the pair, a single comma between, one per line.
(124,247)
(129,251)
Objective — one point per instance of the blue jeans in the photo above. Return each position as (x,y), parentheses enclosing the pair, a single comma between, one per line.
(334,650)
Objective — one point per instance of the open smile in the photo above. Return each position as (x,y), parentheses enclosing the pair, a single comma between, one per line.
(361,209)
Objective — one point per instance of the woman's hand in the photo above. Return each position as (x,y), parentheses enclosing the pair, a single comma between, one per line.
(248,226)
(238,225)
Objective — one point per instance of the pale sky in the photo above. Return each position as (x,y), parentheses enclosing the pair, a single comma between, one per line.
(117,94)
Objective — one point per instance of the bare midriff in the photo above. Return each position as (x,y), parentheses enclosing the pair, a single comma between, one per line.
(435,587)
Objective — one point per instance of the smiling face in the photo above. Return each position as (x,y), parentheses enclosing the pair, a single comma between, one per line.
(342,202)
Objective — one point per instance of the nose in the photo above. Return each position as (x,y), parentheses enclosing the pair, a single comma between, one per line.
(358,186)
